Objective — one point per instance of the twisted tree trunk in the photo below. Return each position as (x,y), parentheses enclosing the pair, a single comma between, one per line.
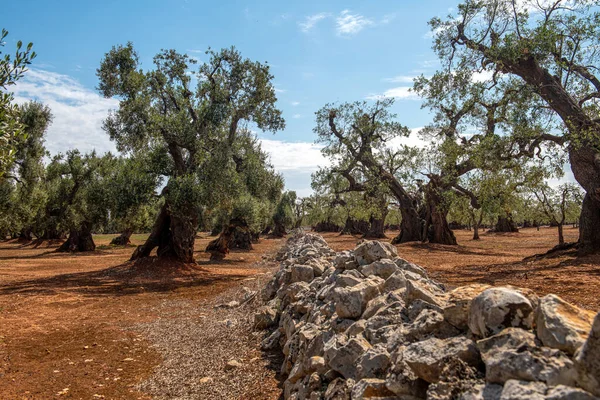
(436,228)
(172,234)
(235,235)
(79,240)
(123,239)
(505,223)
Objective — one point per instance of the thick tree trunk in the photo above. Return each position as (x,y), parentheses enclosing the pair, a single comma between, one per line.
(326,226)
(26,235)
(436,227)
(589,225)
(279,230)
(235,235)
(79,240)
(506,224)
(354,227)
(376,228)
(123,239)
(411,226)
(241,237)
(173,235)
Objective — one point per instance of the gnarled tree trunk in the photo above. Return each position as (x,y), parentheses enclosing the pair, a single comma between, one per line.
(279,229)
(123,239)
(436,228)
(354,227)
(376,228)
(173,235)
(79,240)
(505,223)
(411,226)
(235,235)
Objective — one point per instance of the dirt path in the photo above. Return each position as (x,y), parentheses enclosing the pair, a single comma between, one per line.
(72,326)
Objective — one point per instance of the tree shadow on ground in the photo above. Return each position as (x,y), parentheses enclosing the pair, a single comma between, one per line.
(147,275)
(458,249)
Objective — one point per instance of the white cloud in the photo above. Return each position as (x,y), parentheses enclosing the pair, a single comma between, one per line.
(78,111)
(295,103)
(294,156)
(278,90)
(400,79)
(350,24)
(401,92)
(311,20)
(296,116)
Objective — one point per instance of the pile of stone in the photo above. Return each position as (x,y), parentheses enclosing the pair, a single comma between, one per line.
(368,324)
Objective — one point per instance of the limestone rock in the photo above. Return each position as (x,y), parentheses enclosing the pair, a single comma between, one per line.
(406,266)
(523,390)
(350,302)
(562,325)
(562,392)
(458,302)
(382,268)
(341,356)
(370,389)
(587,360)
(495,309)
(371,250)
(428,357)
(302,273)
(373,363)
(265,317)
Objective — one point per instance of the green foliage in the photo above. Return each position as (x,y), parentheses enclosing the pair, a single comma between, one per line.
(197,137)
(284,212)
(12,68)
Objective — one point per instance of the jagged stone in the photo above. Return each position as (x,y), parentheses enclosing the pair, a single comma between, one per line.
(382,268)
(265,317)
(495,309)
(562,392)
(562,325)
(458,303)
(339,389)
(370,388)
(350,302)
(371,250)
(427,358)
(301,273)
(587,360)
(395,281)
(523,390)
(373,363)
(406,266)
(341,355)
(418,291)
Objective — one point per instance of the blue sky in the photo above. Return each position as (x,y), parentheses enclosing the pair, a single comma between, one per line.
(320,52)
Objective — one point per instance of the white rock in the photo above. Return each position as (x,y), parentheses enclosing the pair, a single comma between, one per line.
(382,268)
(495,309)
(350,302)
(371,250)
(428,357)
(302,273)
(562,325)
(523,390)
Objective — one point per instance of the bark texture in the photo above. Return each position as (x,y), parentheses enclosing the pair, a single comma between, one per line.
(172,235)
(123,239)
(79,240)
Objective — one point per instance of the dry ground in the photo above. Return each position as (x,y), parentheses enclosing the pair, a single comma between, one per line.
(497,259)
(94,326)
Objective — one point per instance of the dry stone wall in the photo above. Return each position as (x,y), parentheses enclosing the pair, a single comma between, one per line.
(368,324)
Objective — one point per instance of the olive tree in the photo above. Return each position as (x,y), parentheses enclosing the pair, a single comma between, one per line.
(194,128)
(550,48)
(12,68)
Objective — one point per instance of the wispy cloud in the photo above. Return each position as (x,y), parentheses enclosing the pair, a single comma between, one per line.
(348,24)
(295,103)
(387,19)
(311,21)
(296,116)
(400,79)
(401,92)
(78,111)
